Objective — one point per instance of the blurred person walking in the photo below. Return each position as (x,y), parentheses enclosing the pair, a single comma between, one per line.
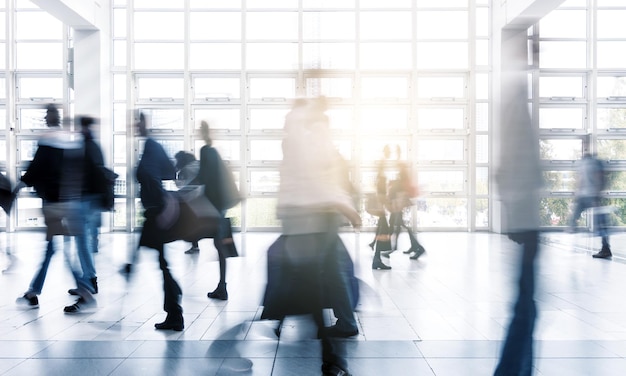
(187,168)
(57,173)
(382,237)
(590,184)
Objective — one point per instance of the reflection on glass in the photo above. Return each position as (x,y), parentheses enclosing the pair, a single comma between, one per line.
(328,25)
(274,87)
(563,118)
(560,86)
(331,87)
(216,88)
(441,181)
(609,118)
(383,119)
(440,118)
(442,212)
(384,87)
(442,24)
(563,54)
(440,87)
(556,212)
(328,55)
(261,212)
(40,87)
(266,150)
(555,149)
(264,181)
(441,150)
(560,181)
(223,56)
(161,87)
(219,118)
(267,118)
(612,149)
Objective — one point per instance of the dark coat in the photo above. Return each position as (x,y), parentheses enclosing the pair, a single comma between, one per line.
(210,176)
(154,167)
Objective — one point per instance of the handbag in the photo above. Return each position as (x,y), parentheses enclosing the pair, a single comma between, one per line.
(373,205)
(201,207)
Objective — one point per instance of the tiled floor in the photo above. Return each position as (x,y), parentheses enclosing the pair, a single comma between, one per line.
(441,315)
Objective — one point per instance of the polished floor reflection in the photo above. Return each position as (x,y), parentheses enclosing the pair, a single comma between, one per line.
(443,314)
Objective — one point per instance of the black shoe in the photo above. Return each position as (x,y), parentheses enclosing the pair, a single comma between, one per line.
(81,305)
(333,331)
(420,251)
(329,369)
(604,253)
(171,323)
(94,284)
(28,301)
(409,251)
(219,293)
(372,244)
(377,264)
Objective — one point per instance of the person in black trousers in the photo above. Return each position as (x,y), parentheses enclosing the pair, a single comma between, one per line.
(154,167)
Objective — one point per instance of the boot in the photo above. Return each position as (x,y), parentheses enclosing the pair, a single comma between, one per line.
(172,322)
(605,252)
(220,292)
(378,264)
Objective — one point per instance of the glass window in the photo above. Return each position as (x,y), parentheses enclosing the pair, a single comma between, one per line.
(610,86)
(159,25)
(119,23)
(441,181)
(29,55)
(119,87)
(159,56)
(171,146)
(160,87)
(482,213)
(341,119)
(267,118)
(561,87)
(564,23)
(562,118)
(234,4)
(560,181)
(383,119)
(327,4)
(611,117)
(611,23)
(159,4)
(385,55)
(482,22)
(328,55)
(40,87)
(385,4)
(482,148)
(384,87)
(264,181)
(119,149)
(271,4)
(561,149)
(272,87)
(216,88)
(385,25)
(442,24)
(440,3)
(328,25)
(331,87)
(266,150)
(120,182)
(48,27)
(442,55)
(219,118)
(482,117)
(482,52)
(120,121)
(29,212)
(563,54)
(3,145)
(482,86)
(612,149)
(164,118)
(215,25)
(27,149)
(284,25)
(230,150)
(616,181)
(119,53)
(611,54)
(223,56)
(34,118)
(272,56)
(3,55)
(438,118)
(440,87)
(555,211)
(261,212)
(482,180)
(441,150)
(442,212)
(371,149)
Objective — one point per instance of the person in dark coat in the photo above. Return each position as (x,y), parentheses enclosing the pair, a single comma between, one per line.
(187,168)
(153,168)
(211,177)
